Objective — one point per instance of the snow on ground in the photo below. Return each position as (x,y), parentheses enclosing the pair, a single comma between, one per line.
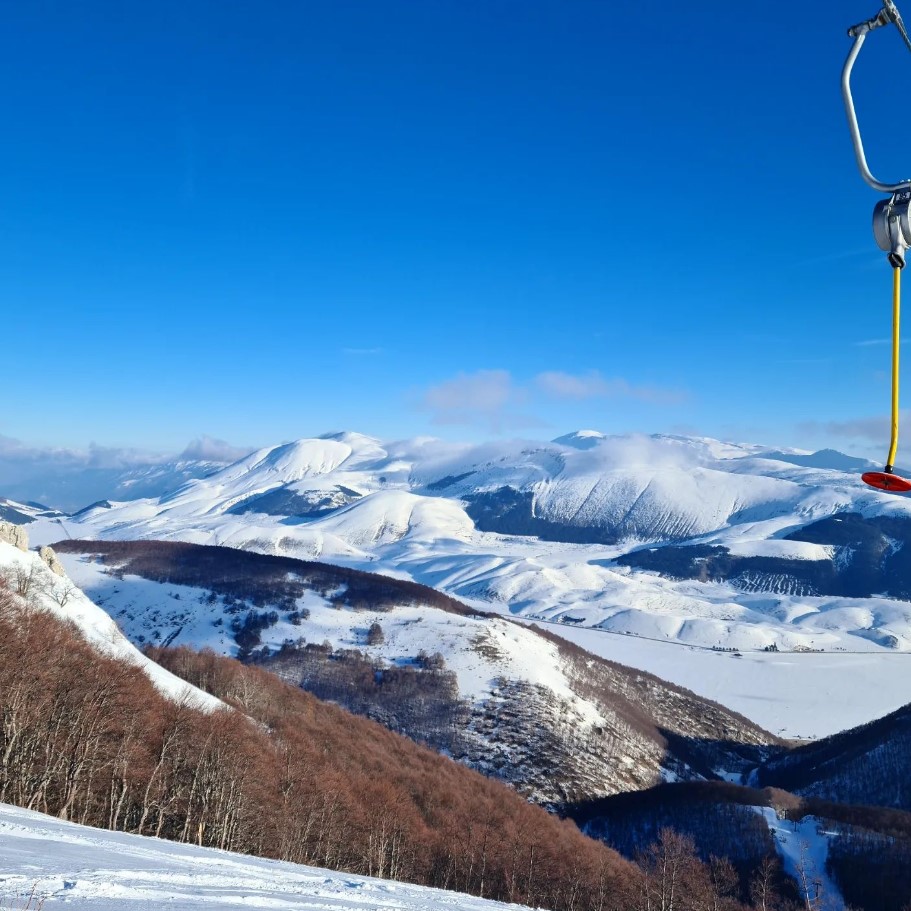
(59,596)
(794,694)
(804,846)
(75,867)
(479,650)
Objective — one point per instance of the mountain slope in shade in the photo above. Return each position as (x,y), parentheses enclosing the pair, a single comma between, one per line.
(859,856)
(62,863)
(23,513)
(869,764)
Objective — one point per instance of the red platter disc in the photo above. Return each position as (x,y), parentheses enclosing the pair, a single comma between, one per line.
(885,481)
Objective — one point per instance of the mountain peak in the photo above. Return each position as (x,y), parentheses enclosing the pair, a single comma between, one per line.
(351,437)
(581,439)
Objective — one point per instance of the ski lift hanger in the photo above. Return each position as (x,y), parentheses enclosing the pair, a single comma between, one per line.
(888,14)
(891,227)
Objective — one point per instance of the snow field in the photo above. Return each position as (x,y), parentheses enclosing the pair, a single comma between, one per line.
(795,695)
(804,846)
(83,869)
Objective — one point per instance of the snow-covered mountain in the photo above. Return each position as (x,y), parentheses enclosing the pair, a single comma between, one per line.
(688,540)
(23,513)
(539,528)
(72,481)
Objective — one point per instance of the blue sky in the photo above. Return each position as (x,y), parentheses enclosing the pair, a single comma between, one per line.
(267,221)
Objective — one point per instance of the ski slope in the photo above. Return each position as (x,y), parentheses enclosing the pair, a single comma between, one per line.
(65,865)
(803,848)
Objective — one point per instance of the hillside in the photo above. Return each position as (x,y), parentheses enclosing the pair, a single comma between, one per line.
(870,764)
(283,775)
(777,841)
(517,703)
(716,547)
(23,513)
(39,582)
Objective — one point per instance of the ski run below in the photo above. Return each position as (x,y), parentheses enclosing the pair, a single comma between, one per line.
(66,865)
(803,847)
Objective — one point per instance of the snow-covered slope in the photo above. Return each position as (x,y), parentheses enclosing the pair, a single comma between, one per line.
(23,513)
(803,847)
(58,595)
(64,865)
(537,528)
(559,725)
(588,530)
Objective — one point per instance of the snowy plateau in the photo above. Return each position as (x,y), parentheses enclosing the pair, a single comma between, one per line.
(626,544)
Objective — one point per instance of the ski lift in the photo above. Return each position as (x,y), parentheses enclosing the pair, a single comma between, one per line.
(891,228)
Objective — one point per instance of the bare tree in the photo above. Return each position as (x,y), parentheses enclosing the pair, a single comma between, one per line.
(25,580)
(674,879)
(809,881)
(725,883)
(63,593)
(763,885)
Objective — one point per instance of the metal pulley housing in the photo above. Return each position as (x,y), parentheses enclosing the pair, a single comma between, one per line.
(892,225)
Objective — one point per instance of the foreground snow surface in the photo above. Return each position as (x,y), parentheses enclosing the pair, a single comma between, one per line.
(76,867)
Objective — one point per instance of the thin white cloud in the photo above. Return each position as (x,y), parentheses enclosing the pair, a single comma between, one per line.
(871,429)
(592,384)
(486,398)
(71,478)
(877,342)
(210,449)
(494,400)
(566,386)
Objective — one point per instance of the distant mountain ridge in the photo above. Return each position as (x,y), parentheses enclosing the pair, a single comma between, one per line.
(575,529)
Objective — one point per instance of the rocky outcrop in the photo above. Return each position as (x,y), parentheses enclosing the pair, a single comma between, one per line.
(52,560)
(14,534)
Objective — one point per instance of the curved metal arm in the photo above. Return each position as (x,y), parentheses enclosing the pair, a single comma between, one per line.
(860,33)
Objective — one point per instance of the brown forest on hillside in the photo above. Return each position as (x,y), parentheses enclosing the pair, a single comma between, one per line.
(89,739)
(281,774)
